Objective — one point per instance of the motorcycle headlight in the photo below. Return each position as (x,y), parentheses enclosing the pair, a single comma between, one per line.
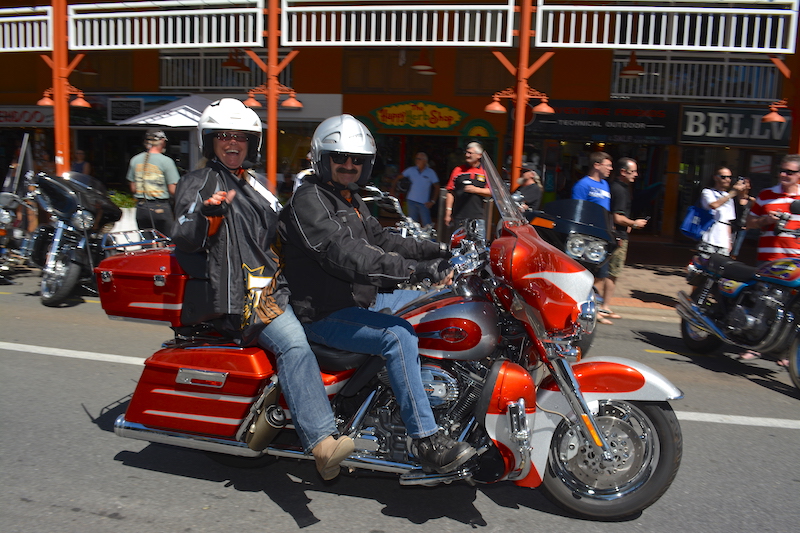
(82,220)
(583,247)
(5,217)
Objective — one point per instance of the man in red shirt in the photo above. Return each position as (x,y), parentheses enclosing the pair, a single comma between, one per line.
(468,183)
(771,201)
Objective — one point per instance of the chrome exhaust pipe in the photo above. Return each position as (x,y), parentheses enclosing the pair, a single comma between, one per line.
(132,430)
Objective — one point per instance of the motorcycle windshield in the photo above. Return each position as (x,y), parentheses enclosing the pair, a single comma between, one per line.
(59,199)
(85,182)
(507,208)
(581,216)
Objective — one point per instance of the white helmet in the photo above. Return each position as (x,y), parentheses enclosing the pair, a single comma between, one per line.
(346,134)
(229,114)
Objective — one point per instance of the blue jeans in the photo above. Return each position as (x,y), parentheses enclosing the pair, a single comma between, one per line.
(418,212)
(299,376)
(364,331)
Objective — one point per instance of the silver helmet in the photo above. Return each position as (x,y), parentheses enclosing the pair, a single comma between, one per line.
(229,114)
(346,134)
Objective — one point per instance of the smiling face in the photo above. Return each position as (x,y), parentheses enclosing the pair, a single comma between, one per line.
(230,147)
(347,172)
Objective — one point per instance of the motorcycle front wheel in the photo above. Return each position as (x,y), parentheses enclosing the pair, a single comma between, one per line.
(647,445)
(57,285)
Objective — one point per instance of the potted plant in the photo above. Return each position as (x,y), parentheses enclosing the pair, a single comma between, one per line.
(127,203)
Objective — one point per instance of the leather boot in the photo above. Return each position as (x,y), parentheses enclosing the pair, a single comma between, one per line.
(329,453)
(441,453)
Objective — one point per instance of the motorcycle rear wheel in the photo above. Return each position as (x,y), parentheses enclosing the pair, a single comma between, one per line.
(698,340)
(647,443)
(794,362)
(57,286)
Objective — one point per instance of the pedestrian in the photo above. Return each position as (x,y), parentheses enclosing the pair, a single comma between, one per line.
(743,203)
(626,173)
(423,191)
(153,177)
(594,188)
(467,189)
(718,198)
(80,164)
(228,214)
(530,188)
(342,267)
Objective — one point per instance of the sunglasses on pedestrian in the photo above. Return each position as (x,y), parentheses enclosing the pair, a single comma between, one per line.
(788,172)
(340,158)
(228,136)
(724,176)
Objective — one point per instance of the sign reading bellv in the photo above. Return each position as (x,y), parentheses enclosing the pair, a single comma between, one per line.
(733,126)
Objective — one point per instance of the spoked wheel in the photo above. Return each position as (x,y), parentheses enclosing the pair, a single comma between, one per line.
(58,285)
(646,443)
(794,362)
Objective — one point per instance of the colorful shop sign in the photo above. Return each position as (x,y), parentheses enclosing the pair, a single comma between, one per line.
(418,115)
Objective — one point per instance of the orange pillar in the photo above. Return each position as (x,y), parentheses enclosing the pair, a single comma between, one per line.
(518,143)
(60,86)
(272,95)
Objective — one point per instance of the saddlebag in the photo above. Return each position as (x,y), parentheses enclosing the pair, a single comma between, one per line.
(151,285)
(205,390)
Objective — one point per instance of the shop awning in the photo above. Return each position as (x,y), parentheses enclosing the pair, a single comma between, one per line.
(183,113)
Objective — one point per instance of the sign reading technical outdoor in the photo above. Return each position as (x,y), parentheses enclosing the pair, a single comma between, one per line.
(733,126)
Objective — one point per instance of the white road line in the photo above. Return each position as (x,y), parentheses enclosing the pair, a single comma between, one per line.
(682,415)
(59,352)
(738,420)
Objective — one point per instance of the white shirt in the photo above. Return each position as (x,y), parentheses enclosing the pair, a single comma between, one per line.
(719,234)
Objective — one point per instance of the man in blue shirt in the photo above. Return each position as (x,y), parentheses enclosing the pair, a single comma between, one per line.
(423,192)
(594,188)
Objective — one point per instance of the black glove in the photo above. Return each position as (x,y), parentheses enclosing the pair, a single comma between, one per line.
(444,250)
(433,269)
(210,210)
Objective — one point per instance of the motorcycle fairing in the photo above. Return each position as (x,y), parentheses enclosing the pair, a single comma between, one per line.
(545,277)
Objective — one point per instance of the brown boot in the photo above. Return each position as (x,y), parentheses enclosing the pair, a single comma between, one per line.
(329,453)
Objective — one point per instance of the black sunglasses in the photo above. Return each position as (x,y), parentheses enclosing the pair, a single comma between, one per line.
(341,158)
(226,135)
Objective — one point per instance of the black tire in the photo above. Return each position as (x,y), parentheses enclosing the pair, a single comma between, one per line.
(648,444)
(57,286)
(698,340)
(794,362)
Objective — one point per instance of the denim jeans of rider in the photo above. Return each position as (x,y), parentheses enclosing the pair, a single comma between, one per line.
(391,337)
(299,376)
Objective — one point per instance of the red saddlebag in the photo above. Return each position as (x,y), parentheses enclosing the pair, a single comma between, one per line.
(206,390)
(151,285)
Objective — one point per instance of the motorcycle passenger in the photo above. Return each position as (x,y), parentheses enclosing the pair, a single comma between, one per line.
(225,210)
(153,177)
(338,258)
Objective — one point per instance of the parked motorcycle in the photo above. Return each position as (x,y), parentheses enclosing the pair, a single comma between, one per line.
(755,308)
(599,436)
(12,254)
(68,250)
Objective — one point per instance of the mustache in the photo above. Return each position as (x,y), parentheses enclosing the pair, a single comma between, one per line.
(347,171)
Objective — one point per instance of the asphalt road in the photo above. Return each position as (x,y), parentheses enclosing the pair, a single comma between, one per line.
(63,469)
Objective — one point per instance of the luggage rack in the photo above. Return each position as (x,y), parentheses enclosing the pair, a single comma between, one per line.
(128,241)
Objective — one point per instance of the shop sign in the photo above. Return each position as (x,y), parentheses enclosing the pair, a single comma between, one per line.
(733,126)
(26,116)
(615,122)
(418,115)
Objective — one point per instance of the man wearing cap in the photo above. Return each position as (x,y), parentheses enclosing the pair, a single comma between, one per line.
(530,187)
(153,177)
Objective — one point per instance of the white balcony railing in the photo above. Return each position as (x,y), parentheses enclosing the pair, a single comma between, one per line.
(393,23)
(722,77)
(202,71)
(166,24)
(26,29)
(765,26)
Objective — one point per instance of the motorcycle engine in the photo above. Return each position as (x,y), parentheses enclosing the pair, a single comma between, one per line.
(756,310)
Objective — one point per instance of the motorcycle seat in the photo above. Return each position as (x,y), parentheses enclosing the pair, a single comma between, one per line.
(335,359)
(728,268)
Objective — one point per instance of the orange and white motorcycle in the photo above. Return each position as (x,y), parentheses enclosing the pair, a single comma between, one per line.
(498,361)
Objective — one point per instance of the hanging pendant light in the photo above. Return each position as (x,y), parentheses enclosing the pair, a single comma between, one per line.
(633,69)
(422,63)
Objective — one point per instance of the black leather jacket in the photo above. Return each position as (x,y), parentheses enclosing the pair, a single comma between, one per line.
(337,255)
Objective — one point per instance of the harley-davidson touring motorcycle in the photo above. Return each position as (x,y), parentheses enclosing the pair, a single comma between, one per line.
(68,249)
(753,307)
(599,436)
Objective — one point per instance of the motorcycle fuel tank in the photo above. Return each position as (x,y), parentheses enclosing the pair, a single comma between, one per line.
(454,327)
(782,271)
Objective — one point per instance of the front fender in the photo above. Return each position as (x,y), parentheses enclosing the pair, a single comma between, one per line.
(599,378)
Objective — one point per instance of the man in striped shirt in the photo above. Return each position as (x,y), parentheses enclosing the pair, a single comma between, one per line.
(771,201)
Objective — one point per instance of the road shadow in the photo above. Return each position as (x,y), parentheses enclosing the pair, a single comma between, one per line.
(722,361)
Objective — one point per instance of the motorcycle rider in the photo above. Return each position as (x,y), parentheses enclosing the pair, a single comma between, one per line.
(225,211)
(337,259)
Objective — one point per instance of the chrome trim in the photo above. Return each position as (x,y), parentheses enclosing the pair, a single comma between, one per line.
(131,430)
(519,433)
(187,376)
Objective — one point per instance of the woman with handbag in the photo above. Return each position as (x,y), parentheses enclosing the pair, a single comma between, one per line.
(719,200)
